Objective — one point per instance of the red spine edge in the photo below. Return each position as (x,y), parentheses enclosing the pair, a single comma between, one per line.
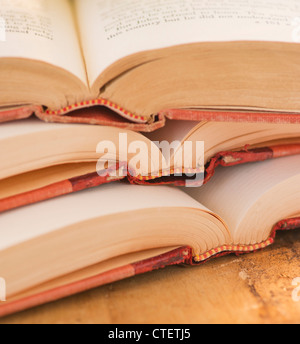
(65,187)
(175,257)
(183,255)
(108,115)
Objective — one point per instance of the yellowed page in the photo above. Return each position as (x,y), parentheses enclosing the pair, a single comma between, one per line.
(41,30)
(28,126)
(111,30)
(65,143)
(26,223)
(233,191)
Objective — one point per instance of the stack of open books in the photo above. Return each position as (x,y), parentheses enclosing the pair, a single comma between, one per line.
(121,123)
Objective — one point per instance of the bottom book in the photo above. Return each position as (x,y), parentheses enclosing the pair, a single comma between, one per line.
(74,243)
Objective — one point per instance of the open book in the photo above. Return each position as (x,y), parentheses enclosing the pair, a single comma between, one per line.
(45,160)
(148,60)
(70,244)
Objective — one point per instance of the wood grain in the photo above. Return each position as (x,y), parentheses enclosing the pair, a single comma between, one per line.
(255,288)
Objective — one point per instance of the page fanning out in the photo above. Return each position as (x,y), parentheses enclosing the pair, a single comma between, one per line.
(234,191)
(41,30)
(111,30)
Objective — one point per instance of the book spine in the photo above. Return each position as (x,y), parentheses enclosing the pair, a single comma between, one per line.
(125,119)
(226,159)
(68,186)
(232,116)
(180,256)
(92,112)
(284,225)
(101,115)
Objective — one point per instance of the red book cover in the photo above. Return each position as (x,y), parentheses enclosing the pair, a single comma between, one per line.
(178,256)
(78,183)
(103,112)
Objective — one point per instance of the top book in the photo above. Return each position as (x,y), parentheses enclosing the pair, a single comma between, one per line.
(148,60)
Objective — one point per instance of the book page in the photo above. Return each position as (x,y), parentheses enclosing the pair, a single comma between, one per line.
(29,126)
(111,30)
(235,190)
(29,222)
(41,30)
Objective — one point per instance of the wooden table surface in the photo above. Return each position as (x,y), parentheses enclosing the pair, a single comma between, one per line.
(255,288)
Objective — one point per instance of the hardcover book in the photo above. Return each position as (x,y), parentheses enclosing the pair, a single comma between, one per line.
(142,92)
(46,160)
(134,64)
(84,240)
